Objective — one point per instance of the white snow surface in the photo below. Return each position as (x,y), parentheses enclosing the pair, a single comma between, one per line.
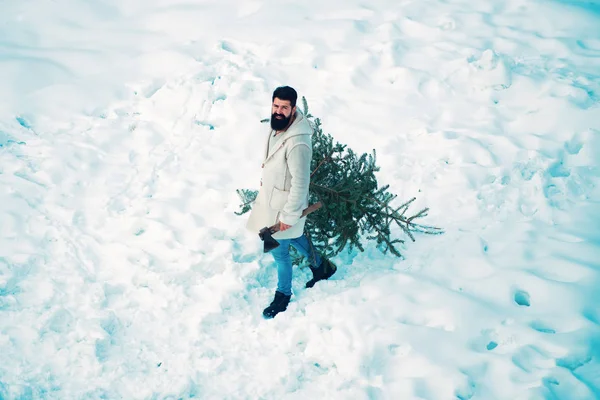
(126,127)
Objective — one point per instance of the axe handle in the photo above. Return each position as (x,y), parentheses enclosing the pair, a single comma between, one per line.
(307,210)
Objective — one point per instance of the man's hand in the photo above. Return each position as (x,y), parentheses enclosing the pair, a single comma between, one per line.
(283,227)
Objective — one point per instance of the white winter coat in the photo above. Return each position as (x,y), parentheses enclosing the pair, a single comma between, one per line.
(283,192)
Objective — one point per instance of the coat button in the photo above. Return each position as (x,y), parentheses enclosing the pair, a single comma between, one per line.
(262,166)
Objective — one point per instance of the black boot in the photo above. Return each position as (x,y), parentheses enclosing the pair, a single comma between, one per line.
(279,304)
(323,271)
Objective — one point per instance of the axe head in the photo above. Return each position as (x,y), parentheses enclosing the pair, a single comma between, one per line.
(267,237)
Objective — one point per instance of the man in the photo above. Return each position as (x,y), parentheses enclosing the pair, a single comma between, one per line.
(283,195)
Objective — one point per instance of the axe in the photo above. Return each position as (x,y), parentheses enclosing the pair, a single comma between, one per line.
(266,234)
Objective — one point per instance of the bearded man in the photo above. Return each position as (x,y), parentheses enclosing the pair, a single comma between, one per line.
(283,195)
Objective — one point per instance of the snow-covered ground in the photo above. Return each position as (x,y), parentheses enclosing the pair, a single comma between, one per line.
(126,126)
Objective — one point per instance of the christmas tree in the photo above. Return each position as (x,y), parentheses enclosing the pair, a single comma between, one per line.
(354,206)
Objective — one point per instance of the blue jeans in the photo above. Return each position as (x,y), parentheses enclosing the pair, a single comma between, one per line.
(282,257)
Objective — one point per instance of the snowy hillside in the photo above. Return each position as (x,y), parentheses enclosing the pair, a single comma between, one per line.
(126,127)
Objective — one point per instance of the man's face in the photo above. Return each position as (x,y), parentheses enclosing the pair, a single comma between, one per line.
(281,113)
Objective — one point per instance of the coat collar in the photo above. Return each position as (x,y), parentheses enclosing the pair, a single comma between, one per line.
(298,127)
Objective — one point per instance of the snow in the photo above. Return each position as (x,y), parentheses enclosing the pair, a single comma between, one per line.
(126,127)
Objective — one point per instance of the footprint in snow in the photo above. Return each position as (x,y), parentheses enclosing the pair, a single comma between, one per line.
(522,298)
(574,146)
(542,327)
(492,339)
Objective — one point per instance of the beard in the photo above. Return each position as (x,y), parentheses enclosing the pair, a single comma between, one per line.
(280,124)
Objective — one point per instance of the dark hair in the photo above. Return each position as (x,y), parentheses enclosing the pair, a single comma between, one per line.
(286,93)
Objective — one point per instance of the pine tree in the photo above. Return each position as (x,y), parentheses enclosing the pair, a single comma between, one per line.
(354,206)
